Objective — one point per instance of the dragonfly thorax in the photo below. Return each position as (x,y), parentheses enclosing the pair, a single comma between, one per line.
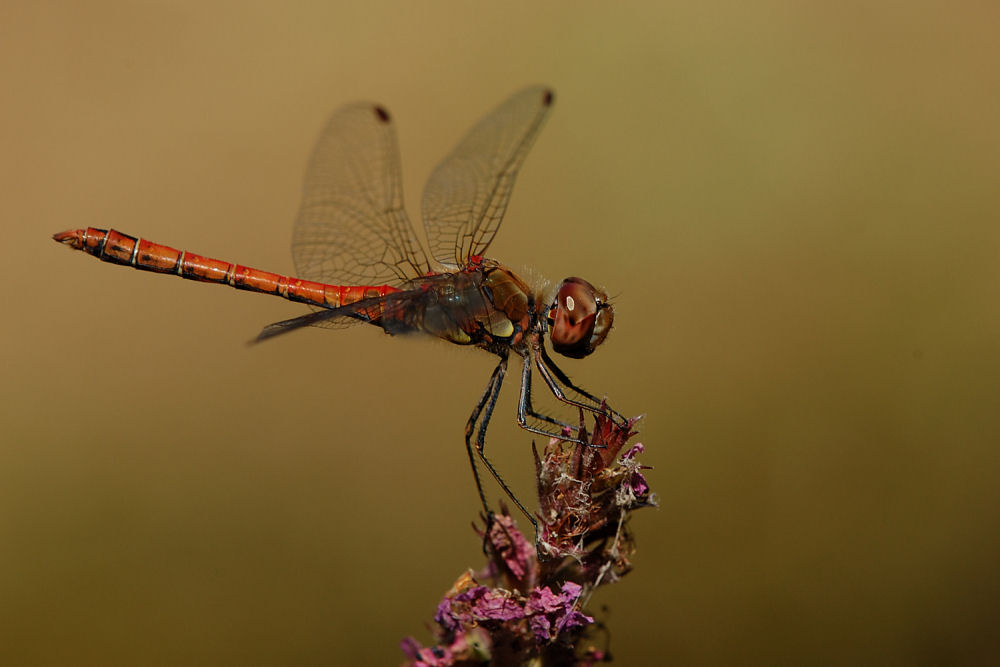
(579,318)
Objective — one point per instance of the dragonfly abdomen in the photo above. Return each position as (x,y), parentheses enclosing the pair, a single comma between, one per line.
(117,248)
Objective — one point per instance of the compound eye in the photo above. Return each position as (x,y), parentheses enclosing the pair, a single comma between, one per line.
(579,318)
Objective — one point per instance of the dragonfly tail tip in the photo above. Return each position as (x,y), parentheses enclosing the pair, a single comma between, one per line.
(73,238)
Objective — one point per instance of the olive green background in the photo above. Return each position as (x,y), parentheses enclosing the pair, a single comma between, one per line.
(794,205)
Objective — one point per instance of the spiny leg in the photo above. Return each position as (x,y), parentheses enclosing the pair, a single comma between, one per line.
(550,363)
(485,407)
(547,367)
(524,409)
(495,379)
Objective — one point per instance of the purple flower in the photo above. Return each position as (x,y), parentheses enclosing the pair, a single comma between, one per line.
(638,484)
(547,609)
(493,606)
(637,448)
(444,617)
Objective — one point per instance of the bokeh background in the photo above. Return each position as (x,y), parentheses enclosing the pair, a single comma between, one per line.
(795,206)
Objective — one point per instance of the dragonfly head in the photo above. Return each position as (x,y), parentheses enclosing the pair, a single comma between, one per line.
(579,318)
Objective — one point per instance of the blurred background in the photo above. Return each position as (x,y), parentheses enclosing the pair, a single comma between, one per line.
(795,207)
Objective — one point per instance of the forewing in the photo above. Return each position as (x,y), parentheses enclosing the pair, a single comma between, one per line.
(467,194)
(352,228)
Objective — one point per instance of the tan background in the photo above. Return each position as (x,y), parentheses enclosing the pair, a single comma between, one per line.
(796,209)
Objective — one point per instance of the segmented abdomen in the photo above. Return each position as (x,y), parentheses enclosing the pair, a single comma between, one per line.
(118,248)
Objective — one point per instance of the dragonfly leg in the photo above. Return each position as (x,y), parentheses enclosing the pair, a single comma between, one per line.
(547,367)
(484,408)
(470,426)
(524,410)
(524,407)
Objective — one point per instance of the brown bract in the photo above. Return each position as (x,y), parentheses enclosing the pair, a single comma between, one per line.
(586,493)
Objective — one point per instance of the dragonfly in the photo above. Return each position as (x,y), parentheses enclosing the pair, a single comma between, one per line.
(361,261)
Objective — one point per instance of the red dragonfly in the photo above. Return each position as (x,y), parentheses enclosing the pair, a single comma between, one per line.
(361,260)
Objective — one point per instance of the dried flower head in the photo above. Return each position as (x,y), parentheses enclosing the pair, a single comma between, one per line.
(526,605)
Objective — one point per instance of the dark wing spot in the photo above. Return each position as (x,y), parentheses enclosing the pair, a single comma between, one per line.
(547,100)
(382,114)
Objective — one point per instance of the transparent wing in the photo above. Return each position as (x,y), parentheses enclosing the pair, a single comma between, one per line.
(467,194)
(366,310)
(352,228)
